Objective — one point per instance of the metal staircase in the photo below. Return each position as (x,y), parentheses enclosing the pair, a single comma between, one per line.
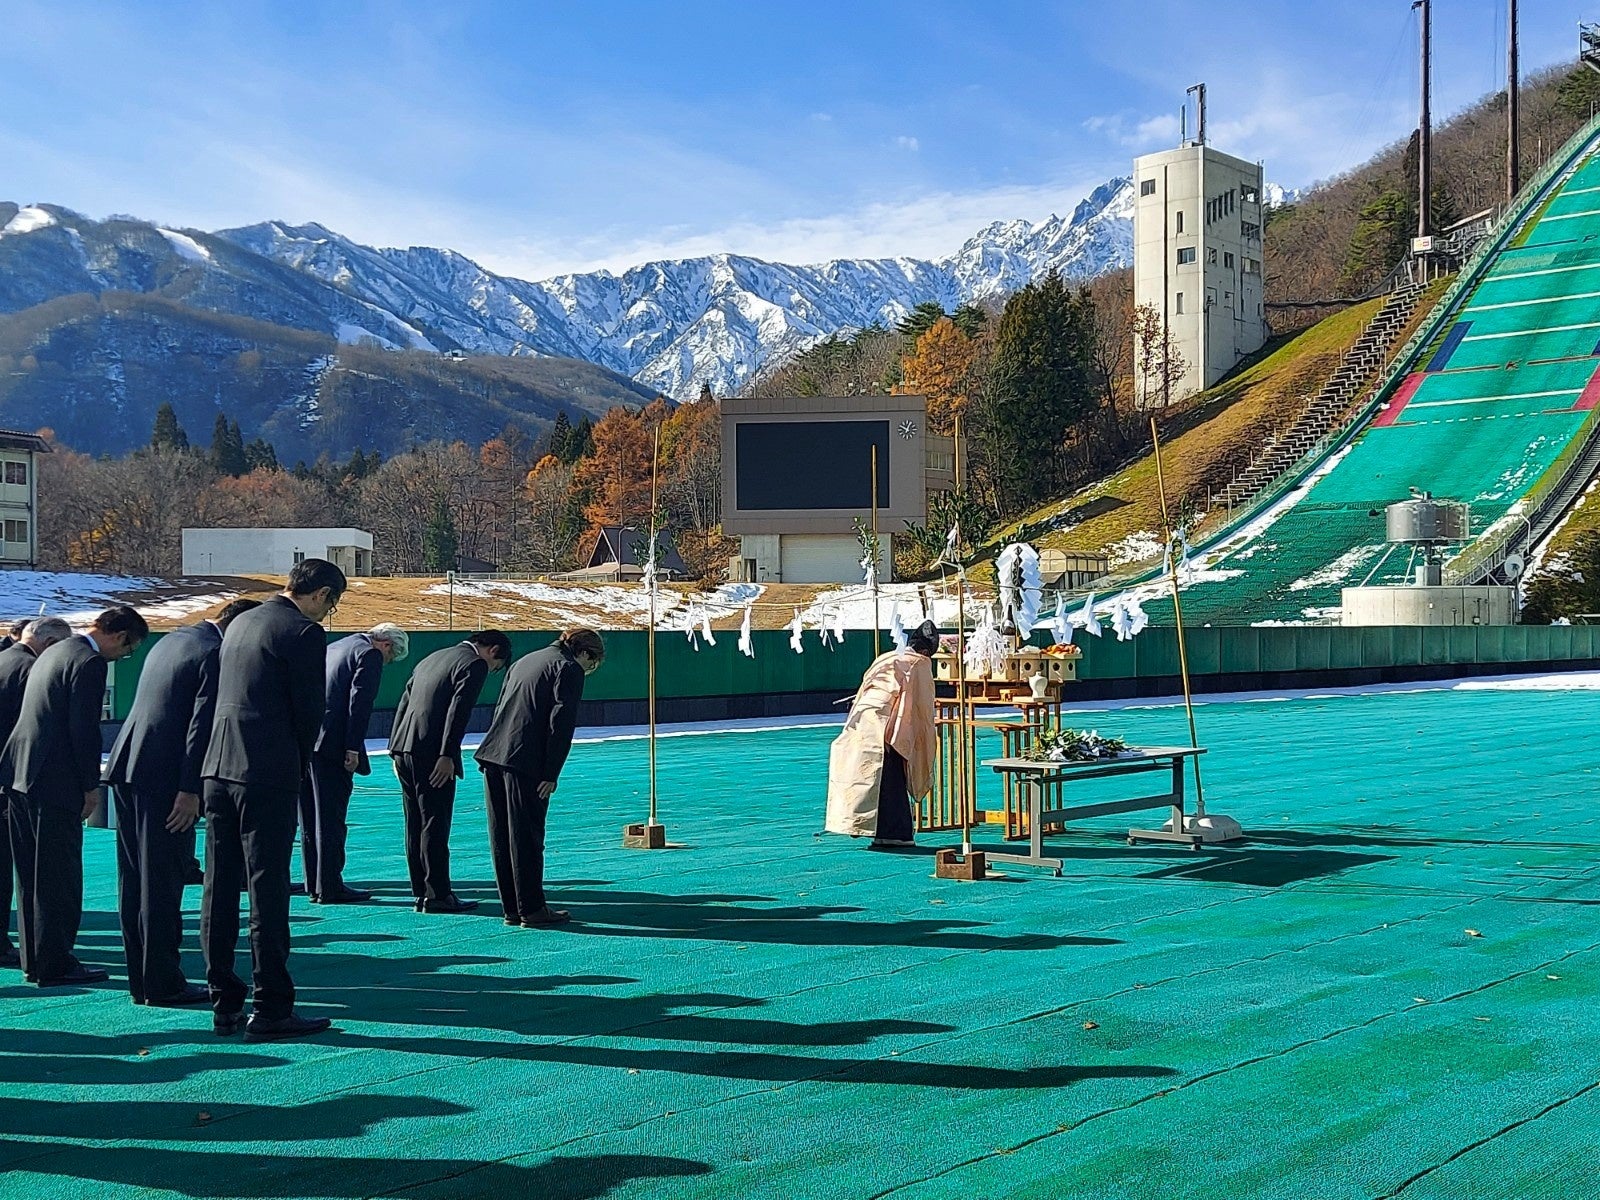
(1351,384)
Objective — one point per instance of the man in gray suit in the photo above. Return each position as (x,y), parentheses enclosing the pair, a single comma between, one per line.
(154,769)
(52,758)
(425,748)
(269,708)
(353,672)
(16,660)
(521,759)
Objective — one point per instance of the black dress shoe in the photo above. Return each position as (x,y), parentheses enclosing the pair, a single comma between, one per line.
(227,1024)
(262,1030)
(10,958)
(546,916)
(450,904)
(297,889)
(192,993)
(78,975)
(349,895)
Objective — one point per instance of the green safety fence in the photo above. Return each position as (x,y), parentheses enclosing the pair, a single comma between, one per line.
(720,670)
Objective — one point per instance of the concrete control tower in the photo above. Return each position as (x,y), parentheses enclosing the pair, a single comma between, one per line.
(1197,256)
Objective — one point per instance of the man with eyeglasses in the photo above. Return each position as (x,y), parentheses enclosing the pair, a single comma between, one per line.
(270,701)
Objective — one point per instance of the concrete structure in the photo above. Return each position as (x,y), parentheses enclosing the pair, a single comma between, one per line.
(273,551)
(1419,605)
(797,474)
(19,498)
(1197,261)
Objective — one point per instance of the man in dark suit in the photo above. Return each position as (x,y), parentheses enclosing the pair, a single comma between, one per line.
(52,758)
(16,660)
(425,747)
(269,708)
(354,671)
(155,770)
(13,634)
(521,759)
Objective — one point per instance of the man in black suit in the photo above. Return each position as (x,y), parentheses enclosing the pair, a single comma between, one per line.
(16,660)
(269,707)
(354,671)
(521,759)
(155,770)
(425,747)
(13,634)
(52,758)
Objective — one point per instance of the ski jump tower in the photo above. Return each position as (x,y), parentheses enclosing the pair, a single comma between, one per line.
(1197,258)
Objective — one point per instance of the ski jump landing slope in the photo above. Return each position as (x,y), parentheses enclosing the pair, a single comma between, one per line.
(1483,409)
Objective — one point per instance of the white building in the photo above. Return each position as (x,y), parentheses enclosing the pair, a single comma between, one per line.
(1197,262)
(273,551)
(19,498)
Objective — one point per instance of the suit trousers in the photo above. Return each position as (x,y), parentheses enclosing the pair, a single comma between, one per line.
(894,800)
(516,839)
(151,864)
(6,872)
(428,813)
(249,843)
(324,806)
(20,856)
(52,888)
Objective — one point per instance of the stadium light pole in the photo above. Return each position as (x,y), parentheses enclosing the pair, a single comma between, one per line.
(1513,146)
(1424,151)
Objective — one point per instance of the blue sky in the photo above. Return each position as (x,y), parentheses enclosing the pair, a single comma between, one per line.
(545,137)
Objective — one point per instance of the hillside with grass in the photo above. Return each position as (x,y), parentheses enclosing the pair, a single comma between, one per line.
(1205,441)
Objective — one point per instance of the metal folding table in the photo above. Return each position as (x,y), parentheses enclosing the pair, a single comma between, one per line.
(1044,783)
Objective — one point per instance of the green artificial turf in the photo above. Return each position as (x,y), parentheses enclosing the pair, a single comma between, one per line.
(770,1013)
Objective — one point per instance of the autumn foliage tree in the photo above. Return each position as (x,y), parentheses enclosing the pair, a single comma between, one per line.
(615,477)
(940,368)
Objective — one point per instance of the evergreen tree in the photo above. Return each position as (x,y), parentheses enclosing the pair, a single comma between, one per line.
(921,319)
(1381,239)
(582,440)
(168,434)
(970,319)
(227,447)
(440,545)
(706,394)
(259,455)
(1040,385)
(561,437)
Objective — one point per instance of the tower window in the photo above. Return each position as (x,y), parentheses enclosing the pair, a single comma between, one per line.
(1178,303)
(1185,255)
(1178,227)
(1147,187)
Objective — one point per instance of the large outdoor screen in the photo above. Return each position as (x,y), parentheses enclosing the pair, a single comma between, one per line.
(810,464)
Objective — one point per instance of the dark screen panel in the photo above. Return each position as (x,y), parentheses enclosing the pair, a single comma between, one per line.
(811,464)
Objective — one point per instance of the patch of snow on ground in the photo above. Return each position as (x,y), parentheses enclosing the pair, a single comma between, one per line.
(27,220)
(186,246)
(566,605)
(1514,481)
(1340,569)
(78,598)
(936,598)
(355,335)
(1136,547)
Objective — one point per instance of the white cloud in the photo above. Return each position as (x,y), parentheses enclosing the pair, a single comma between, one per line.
(908,143)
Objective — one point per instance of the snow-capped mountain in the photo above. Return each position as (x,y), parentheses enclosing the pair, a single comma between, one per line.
(671,326)
(677,325)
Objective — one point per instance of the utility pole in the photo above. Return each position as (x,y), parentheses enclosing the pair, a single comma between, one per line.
(1513,146)
(1424,152)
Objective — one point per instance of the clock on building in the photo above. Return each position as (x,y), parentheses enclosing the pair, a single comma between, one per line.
(908,429)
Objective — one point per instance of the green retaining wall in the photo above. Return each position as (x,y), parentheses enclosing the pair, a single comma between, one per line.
(721,670)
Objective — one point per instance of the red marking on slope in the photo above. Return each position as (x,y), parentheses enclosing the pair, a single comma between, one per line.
(1591,394)
(1402,396)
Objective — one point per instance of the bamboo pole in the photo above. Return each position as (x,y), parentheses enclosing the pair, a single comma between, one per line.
(655,460)
(876,621)
(961,710)
(1177,609)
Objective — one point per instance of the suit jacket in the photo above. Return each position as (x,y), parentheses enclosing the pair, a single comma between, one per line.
(437,704)
(537,714)
(162,744)
(354,670)
(16,660)
(53,754)
(269,698)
